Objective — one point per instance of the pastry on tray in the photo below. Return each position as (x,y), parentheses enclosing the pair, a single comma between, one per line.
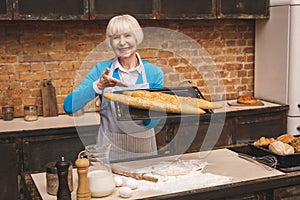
(281,148)
(246,100)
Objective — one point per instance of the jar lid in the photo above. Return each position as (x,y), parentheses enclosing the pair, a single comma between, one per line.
(51,168)
(30,107)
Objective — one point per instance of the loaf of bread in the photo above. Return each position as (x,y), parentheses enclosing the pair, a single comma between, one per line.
(247,100)
(286,138)
(154,103)
(174,99)
(281,148)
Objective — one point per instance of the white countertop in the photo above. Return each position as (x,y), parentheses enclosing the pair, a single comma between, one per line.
(224,167)
(60,121)
(93,118)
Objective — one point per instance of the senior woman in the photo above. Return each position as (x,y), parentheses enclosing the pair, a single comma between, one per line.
(128,139)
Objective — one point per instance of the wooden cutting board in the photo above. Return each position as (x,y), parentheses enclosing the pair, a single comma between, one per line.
(49,99)
(258,103)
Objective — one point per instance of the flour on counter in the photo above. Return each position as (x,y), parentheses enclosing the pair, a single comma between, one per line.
(179,175)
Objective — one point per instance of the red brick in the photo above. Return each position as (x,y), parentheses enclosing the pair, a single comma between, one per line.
(8,58)
(33,76)
(62,56)
(14,49)
(34,58)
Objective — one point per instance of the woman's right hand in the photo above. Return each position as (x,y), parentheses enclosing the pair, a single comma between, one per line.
(107,81)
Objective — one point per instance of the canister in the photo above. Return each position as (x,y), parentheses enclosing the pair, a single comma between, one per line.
(52,178)
(30,113)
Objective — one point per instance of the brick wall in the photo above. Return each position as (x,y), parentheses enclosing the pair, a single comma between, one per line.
(218,57)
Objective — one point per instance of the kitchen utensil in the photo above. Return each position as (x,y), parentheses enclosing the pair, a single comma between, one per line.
(284,161)
(269,162)
(52,178)
(130,173)
(49,99)
(83,191)
(124,113)
(63,192)
(100,178)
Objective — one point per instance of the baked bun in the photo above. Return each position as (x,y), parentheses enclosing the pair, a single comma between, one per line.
(281,148)
(262,141)
(285,138)
(247,100)
(296,144)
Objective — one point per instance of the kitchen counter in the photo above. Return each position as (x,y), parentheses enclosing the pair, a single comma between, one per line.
(93,118)
(31,145)
(244,177)
(60,121)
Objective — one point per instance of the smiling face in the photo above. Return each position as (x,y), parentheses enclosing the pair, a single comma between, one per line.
(124,45)
(124,34)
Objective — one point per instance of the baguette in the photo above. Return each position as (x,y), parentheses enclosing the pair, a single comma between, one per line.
(153,104)
(194,102)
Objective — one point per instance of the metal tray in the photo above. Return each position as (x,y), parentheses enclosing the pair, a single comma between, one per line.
(284,161)
(125,112)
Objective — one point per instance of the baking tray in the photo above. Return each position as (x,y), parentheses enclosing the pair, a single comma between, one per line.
(285,164)
(284,161)
(125,112)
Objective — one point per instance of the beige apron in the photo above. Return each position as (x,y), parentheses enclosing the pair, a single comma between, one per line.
(129,139)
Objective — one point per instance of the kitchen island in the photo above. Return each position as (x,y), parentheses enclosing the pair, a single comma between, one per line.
(245,180)
(28,146)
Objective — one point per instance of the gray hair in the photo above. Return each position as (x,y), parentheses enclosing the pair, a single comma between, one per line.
(124,24)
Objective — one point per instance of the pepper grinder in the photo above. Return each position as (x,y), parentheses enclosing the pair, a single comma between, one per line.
(83,190)
(63,192)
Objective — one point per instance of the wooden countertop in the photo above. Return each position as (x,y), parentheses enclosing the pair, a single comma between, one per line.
(93,118)
(221,162)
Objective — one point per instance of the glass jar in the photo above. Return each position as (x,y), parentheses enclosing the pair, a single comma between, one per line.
(100,177)
(8,113)
(30,113)
(52,178)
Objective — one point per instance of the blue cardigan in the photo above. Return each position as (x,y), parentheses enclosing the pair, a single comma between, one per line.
(84,93)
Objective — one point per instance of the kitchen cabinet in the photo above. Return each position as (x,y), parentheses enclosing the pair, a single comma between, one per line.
(36,152)
(105,9)
(146,9)
(243,9)
(31,150)
(154,9)
(187,9)
(181,9)
(5,9)
(9,169)
(239,127)
(51,10)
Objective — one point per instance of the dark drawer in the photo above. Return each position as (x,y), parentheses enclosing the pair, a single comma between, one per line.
(243,8)
(187,9)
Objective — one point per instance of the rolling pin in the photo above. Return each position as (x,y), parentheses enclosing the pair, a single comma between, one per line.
(129,173)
